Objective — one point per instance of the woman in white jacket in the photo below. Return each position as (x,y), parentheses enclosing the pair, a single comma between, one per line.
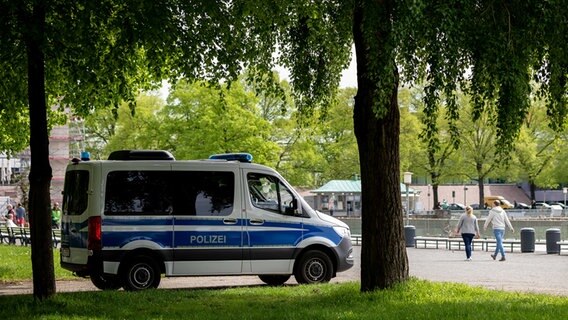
(499,218)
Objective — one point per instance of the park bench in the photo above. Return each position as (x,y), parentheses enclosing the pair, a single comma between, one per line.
(356,239)
(11,234)
(431,240)
(56,237)
(14,235)
(561,244)
(5,234)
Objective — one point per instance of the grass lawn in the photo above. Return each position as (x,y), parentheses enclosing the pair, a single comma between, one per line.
(416,299)
(16,264)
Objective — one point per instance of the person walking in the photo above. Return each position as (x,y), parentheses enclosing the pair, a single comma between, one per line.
(20,215)
(499,218)
(55,216)
(468,228)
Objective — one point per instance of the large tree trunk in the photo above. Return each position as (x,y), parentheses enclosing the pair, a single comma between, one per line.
(384,262)
(481,185)
(436,198)
(40,171)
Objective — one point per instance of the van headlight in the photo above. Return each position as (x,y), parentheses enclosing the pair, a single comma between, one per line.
(342,232)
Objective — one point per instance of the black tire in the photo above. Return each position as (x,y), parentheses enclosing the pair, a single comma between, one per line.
(313,267)
(274,279)
(105,282)
(140,273)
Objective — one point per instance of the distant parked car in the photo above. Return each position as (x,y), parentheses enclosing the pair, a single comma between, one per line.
(456,206)
(521,205)
(542,205)
(558,204)
(476,206)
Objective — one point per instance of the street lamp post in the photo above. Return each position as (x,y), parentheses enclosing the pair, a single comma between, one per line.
(565,191)
(429,207)
(407,181)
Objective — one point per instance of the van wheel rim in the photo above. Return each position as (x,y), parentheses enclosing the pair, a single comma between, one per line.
(141,276)
(315,269)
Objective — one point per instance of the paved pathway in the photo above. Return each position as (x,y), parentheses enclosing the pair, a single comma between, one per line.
(531,272)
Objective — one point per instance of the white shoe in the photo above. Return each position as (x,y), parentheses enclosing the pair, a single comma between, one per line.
(468,259)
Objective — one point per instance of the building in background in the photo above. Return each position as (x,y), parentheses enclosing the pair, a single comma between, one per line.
(65,143)
(343,198)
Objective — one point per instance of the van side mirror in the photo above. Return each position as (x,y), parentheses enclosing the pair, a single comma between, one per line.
(292,208)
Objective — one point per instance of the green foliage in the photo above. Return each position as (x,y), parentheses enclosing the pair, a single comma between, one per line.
(335,141)
(15,264)
(200,120)
(415,300)
(133,130)
(490,49)
(537,149)
(14,131)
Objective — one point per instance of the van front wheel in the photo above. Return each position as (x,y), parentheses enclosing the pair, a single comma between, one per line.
(274,279)
(140,273)
(314,267)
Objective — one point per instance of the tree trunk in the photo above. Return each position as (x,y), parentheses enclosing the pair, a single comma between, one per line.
(384,262)
(40,170)
(481,184)
(436,198)
(533,190)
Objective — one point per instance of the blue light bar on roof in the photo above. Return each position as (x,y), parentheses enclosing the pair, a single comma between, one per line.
(241,157)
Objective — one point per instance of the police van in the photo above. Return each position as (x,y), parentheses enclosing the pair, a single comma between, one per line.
(140,214)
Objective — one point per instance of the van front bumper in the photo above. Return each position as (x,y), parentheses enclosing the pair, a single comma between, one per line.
(345,254)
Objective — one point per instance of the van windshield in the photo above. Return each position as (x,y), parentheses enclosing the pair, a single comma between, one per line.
(75,198)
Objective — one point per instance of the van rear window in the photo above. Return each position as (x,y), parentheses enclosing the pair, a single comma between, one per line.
(75,198)
(194,193)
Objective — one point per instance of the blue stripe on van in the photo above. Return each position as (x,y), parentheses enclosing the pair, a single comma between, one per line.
(321,231)
(77,238)
(268,234)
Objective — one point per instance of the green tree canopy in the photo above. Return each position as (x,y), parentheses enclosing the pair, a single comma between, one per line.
(95,53)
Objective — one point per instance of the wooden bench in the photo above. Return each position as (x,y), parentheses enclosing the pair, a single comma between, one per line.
(11,234)
(431,240)
(356,239)
(5,234)
(561,244)
(56,237)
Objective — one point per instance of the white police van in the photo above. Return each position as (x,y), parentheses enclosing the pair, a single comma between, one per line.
(140,214)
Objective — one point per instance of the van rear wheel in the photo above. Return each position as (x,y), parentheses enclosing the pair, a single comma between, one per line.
(105,282)
(140,273)
(313,267)
(274,279)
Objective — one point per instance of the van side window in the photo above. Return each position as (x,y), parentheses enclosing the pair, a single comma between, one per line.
(75,199)
(138,193)
(204,193)
(192,193)
(269,193)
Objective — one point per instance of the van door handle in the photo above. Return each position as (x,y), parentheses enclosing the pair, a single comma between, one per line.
(256,222)
(229,221)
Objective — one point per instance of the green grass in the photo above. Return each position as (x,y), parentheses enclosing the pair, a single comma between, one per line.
(416,299)
(16,265)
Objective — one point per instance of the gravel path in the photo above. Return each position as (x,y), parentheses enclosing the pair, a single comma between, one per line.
(528,272)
